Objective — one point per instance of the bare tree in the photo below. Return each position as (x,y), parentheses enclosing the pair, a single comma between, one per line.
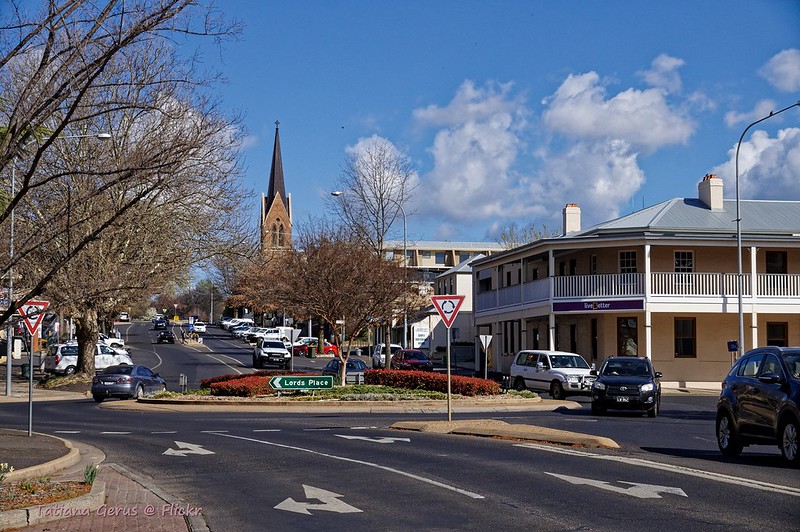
(375,183)
(73,68)
(512,236)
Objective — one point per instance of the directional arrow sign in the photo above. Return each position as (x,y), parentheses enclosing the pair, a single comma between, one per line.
(301,382)
(640,491)
(385,439)
(187,448)
(329,503)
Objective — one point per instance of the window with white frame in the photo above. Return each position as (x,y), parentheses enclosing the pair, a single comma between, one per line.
(684,261)
(627,262)
(593,264)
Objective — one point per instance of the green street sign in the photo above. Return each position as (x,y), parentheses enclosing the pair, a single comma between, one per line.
(301,382)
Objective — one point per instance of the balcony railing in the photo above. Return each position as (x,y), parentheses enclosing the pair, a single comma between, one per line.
(681,286)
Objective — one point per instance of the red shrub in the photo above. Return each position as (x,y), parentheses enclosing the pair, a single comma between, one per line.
(206,383)
(426,380)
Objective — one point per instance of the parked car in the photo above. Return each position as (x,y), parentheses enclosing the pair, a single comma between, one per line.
(413,359)
(123,316)
(62,359)
(126,381)
(355,369)
(199,327)
(160,323)
(305,340)
(758,404)
(111,341)
(165,337)
(626,383)
(239,331)
(302,350)
(228,325)
(379,354)
(558,372)
(271,352)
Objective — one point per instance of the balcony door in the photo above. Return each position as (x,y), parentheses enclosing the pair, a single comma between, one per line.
(627,337)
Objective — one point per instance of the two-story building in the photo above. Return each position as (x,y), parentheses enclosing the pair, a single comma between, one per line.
(661,282)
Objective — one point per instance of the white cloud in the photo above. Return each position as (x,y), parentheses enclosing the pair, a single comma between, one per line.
(762,109)
(782,71)
(768,166)
(471,104)
(664,73)
(580,109)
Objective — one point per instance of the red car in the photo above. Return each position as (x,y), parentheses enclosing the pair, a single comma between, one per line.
(302,350)
(411,359)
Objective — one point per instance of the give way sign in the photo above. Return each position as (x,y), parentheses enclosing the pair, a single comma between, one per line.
(447,307)
(32,313)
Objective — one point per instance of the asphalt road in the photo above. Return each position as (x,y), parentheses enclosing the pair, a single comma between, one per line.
(335,472)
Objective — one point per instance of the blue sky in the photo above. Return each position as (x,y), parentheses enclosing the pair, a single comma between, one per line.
(508,110)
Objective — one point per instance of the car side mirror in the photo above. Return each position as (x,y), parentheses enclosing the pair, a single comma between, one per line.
(658,374)
(593,372)
(770,378)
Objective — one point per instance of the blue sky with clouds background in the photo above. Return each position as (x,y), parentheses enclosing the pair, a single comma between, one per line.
(510,109)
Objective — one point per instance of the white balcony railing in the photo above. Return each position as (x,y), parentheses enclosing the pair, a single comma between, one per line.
(678,285)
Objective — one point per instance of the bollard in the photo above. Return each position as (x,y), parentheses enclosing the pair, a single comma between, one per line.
(182,382)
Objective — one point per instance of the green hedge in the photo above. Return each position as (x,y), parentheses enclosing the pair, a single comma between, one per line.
(426,380)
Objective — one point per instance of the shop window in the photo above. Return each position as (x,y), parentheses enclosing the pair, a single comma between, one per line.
(685,338)
(778,334)
(776,262)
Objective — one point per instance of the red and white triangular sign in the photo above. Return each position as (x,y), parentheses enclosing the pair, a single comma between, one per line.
(447,307)
(33,312)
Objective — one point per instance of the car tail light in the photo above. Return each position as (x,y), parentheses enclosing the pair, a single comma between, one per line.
(124,379)
(58,359)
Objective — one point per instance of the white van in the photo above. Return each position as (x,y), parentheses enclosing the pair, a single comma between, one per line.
(62,359)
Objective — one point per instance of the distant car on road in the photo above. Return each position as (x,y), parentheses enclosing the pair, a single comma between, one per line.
(379,354)
(271,352)
(199,327)
(355,369)
(626,383)
(123,316)
(160,324)
(558,372)
(412,359)
(126,382)
(760,403)
(165,337)
(62,359)
(303,350)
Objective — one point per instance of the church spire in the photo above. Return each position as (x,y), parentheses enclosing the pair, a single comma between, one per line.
(276,185)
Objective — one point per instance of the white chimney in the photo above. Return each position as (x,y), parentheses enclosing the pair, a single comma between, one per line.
(572,218)
(710,191)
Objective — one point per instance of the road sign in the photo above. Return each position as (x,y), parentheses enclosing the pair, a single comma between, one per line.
(447,307)
(32,313)
(301,382)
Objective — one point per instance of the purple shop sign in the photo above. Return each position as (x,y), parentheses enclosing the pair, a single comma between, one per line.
(599,306)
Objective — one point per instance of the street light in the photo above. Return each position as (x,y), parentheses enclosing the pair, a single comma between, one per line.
(740,284)
(338,193)
(10,329)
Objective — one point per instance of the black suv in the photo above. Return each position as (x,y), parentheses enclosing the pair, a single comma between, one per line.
(759,402)
(626,383)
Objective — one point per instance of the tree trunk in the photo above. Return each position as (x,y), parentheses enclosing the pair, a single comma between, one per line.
(86,331)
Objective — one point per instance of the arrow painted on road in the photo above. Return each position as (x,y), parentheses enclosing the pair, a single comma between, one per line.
(383,439)
(640,491)
(330,502)
(187,448)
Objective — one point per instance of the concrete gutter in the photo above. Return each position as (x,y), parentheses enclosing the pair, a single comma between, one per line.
(493,428)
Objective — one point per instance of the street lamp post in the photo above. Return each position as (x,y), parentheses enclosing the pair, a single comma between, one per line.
(338,193)
(739,276)
(10,328)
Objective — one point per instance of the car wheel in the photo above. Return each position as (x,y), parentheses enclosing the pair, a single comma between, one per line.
(727,439)
(519,384)
(139,392)
(788,442)
(598,410)
(98,398)
(653,412)
(70,370)
(556,391)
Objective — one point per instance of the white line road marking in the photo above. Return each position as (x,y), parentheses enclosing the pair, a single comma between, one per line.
(114,432)
(362,428)
(699,473)
(164,432)
(640,491)
(187,448)
(330,502)
(211,431)
(361,462)
(385,439)
(66,432)
(309,430)
(266,430)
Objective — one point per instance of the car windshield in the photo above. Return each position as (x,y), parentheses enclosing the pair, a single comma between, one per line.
(414,355)
(275,345)
(568,361)
(118,370)
(628,368)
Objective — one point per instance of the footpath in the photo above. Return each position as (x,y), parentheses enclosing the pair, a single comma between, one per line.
(122,500)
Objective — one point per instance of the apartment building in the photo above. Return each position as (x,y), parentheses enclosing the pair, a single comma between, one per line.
(660,283)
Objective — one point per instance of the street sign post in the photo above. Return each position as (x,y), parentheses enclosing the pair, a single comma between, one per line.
(448,307)
(32,312)
(301,382)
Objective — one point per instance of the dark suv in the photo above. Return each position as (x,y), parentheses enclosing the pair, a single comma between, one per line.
(759,402)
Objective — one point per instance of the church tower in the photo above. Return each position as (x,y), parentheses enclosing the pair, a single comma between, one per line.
(276,206)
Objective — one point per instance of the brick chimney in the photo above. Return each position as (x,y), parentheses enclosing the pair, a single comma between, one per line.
(710,191)
(572,218)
